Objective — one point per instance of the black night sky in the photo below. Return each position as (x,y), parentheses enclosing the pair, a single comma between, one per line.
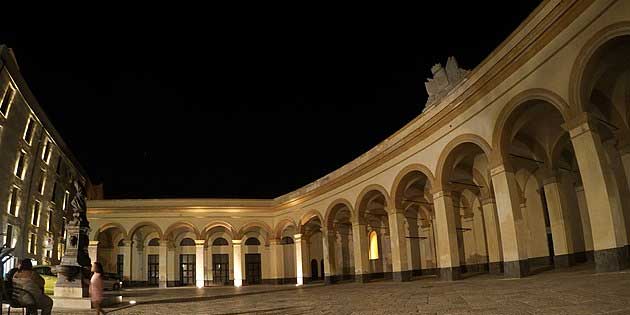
(239,105)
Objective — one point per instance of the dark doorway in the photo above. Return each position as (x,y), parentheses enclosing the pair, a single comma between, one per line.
(120,263)
(314,270)
(220,269)
(154,269)
(543,199)
(187,269)
(322,269)
(252,269)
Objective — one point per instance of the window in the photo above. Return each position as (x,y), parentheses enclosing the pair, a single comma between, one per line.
(20,166)
(32,241)
(63,229)
(13,202)
(187,242)
(373,245)
(154,242)
(46,151)
(286,240)
(42,182)
(54,192)
(36,207)
(252,241)
(121,242)
(66,197)
(220,242)
(50,220)
(8,239)
(5,101)
(30,129)
(59,165)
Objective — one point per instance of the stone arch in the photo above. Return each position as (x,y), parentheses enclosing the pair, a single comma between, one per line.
(507,113)
(207,229)
(589,49)
(446,157)
(139,225)
(406,171)
(333,205)
(364,193)
(108,226)
(259,224)
(185,224)
(282,225)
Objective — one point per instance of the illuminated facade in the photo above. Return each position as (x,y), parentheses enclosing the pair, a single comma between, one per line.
(36,167)
(519,164)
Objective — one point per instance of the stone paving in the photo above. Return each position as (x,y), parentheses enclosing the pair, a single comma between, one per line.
(574,291)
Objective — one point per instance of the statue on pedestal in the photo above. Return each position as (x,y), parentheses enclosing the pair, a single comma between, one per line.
(74,270)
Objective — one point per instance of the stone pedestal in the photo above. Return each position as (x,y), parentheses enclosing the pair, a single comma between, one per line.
(83,303)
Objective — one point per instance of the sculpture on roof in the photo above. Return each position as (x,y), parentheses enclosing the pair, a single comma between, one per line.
(444,80)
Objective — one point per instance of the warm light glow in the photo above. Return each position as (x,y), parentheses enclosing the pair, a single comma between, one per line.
(132,302)
(199,285)
(373,245)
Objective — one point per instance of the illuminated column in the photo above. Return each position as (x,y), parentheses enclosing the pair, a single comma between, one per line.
(93,251)
(400,265)
(298,259)
(238,271)
(126,249)
(277,260)
(493,237)
(602,196)
(558,219)
(163,263)
(199,254)
(586,222)
(446,234)
(361,252)
(511,223)
(328,247)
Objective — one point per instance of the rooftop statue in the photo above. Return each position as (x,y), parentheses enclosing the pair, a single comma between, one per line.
(443,81)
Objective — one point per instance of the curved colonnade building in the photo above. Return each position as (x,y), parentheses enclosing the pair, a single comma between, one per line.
(520,164)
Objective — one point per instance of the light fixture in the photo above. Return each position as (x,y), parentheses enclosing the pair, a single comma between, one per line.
(132,302)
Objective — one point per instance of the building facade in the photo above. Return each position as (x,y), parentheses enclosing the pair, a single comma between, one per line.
(36,168)
(520,164)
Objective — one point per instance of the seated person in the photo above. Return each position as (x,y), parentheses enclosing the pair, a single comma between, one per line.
(28,280)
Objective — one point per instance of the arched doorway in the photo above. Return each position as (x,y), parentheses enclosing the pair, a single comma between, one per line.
(340,243)
(372,212)
(313,248)
(314,270)
(412,194)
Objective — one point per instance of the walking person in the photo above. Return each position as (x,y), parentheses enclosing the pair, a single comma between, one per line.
(96,287)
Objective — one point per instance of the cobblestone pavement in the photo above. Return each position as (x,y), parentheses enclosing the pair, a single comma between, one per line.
(576,291)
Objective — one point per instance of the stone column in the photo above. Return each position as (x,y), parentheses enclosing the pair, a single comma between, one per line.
(126,249)
(511,222)
(328,248)
(586,222)
(277,261)
(238,269)
(298,259)
(400,264)
(93,251)
(361,252)
(199,266)
(602,196)
(163,263)
(493,236)
(446,234)
(558,219)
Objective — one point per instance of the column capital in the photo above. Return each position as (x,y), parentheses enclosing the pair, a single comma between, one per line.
(488,200)
(297,237)
(200,242)
(237,242)
(579,124)
(274,241)
(93,243)
(552,179)
(500,169)
(441,193)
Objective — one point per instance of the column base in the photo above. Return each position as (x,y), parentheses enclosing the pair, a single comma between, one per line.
(516,269)
(330,279)
(449,273)
(362,278)
(610,260)
(495,268)
(163,284)
(402,276)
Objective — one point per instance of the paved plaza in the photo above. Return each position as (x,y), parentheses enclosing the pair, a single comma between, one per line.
(576,291)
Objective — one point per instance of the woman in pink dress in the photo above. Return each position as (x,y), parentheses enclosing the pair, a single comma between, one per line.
(96,287)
